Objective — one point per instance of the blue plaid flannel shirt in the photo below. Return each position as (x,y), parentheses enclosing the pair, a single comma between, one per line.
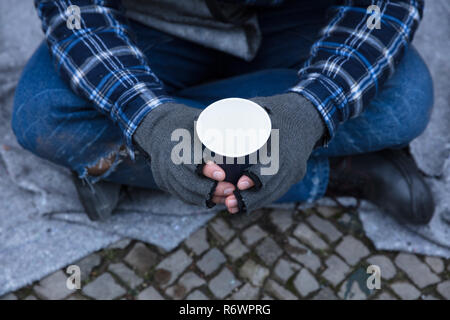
(347,66)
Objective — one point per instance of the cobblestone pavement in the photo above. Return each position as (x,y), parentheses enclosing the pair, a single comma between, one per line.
(318,253)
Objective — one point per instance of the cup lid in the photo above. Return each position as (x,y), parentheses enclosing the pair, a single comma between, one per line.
(233,127)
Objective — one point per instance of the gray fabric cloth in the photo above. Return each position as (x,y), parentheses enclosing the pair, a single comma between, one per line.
(192,20)
(34,243)
(174,172)
(300,127)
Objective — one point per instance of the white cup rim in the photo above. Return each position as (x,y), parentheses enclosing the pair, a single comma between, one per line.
(233,127)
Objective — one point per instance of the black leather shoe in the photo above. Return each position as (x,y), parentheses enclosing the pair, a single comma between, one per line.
(99,199)
(390,179)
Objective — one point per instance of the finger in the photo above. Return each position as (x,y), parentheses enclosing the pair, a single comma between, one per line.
(213,171)
(224,189)
(218,200)
(245,183)
(231,203)
(233,211)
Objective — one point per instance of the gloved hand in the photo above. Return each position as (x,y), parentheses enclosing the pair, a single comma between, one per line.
(300,128)
(153,136)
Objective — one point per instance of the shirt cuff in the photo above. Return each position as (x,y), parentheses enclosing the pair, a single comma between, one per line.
(134,110)
(328,99)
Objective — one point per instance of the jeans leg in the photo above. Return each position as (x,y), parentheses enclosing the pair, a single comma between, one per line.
(54,123)
(399,113)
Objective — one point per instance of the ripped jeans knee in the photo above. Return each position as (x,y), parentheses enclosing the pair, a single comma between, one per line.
(104,166)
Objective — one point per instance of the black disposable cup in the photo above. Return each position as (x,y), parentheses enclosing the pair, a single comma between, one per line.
(218,124)
(233,171)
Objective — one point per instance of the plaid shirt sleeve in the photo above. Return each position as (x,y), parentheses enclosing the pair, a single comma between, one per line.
(350,62)
(100,62)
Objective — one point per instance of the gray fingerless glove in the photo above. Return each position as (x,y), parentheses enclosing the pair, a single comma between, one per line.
(300,128)
(153,137)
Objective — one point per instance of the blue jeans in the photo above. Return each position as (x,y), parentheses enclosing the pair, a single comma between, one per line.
(54,123)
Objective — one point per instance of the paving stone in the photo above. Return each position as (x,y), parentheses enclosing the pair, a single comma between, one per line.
(186,283)
(121,244)
(387,268)
(305,283)
(269,251)
(221,230)
(325,227)
(236,249)
(278,291)
(240,221)
(222,284)
(345,219)
(302,254)
(328,212)
(386,296)
(266,297)
(197,295)
(190,280)
(30,297)
(309,237)
(87,264)
(416,270)
(254,273)
(104,288)
(350,290)
(436,264)
(336,271)
(198,242)
(125,274)
(285,269)
(325,294)
(53,287)
(352,250)
(211,261)
(150,293)
(444,289)
(173,266)
(247,292)
(141,258)
(282,219)
(405,290)
(8,296)
(253,234)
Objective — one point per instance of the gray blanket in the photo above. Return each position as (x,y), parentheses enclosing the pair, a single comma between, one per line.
(42,224)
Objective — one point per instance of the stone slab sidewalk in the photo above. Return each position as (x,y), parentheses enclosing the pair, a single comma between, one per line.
(318,253)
